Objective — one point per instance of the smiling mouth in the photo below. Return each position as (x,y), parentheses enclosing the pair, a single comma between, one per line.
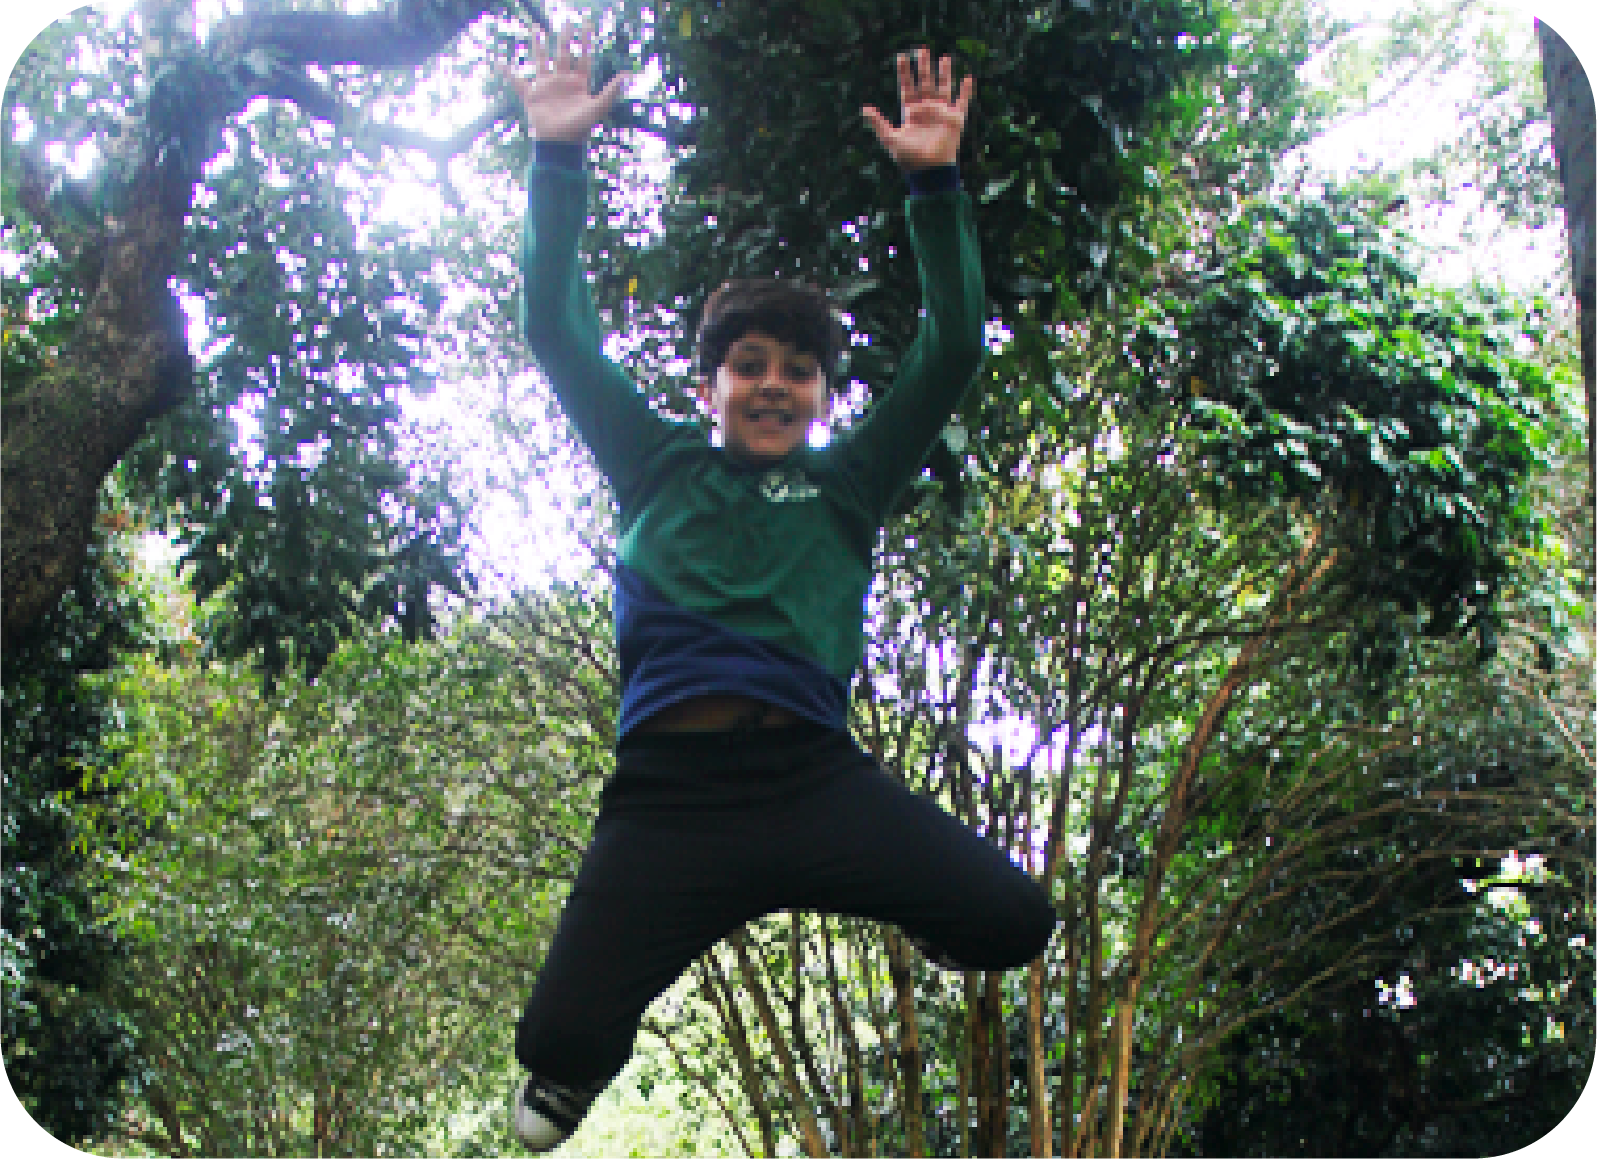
(781,418)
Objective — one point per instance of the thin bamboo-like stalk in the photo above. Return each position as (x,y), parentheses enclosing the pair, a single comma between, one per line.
(861,1123)
(998,1067)
(965,1078)
(820,1088)
(809,1127)
(716,989)
(909,1051)
(1042,1134)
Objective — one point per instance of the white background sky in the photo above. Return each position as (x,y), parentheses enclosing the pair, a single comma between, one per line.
(1403,129)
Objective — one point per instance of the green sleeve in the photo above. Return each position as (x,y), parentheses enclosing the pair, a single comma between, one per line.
(886,450)
(563,333)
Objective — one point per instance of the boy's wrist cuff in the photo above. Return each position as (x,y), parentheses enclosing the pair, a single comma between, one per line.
(937,179)
(560,154)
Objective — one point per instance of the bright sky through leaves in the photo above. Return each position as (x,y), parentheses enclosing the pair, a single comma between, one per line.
(1412,121)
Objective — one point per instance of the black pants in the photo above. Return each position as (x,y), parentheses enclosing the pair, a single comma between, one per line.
(699,833)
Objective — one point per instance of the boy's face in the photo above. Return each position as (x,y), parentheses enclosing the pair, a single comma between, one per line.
(765,395)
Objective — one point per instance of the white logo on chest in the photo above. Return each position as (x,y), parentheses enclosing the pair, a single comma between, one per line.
(787,485)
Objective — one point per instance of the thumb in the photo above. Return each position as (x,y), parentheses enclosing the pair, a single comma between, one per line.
(878,123)
(612,90)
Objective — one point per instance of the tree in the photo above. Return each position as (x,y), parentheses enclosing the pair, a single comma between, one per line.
(330,899)
(200,192)
(67,1050)
(1468,1068)
(1476,1040)
(1569,103)
(1523,146)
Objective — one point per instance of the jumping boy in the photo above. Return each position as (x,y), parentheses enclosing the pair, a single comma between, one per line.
(741,576)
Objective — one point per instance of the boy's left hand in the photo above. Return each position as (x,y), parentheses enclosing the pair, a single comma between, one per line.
(934,118)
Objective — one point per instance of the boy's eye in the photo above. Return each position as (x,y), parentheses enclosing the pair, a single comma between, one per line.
(753,366)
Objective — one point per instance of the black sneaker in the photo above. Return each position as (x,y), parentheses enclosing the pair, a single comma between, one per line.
(546,1114)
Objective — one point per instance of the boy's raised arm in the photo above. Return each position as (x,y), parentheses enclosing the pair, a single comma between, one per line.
(890,444)
(557,316)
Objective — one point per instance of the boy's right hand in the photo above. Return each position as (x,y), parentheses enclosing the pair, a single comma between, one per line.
(558,105)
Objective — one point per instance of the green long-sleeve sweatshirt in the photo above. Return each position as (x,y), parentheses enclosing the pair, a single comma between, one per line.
(730,578)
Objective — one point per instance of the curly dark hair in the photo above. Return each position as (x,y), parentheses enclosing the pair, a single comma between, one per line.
(789,311)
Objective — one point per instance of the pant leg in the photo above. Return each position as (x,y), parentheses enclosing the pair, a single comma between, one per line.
(698,837)
(649,899)
(674,866)
(863,844)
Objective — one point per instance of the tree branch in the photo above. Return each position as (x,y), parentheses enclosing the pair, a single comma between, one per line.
(404,35)
(60,208)
(704,1079)
(267,55)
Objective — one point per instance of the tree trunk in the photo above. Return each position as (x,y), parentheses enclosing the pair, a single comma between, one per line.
(861,1133)
(980,1063)
(67,425)
(126,362)
(1120,1076)
(809,1126)
(1569,103)
(1042,1133)
(962,1106)
(909,1051)
(998,1127)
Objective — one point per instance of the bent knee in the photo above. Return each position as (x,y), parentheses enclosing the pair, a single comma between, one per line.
(1007,934)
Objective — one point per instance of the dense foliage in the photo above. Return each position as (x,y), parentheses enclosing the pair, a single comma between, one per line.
(274,452)
(1480,1033)
(332,897)
(313,520)
(67,1047)
(782,177)
(1320,367)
